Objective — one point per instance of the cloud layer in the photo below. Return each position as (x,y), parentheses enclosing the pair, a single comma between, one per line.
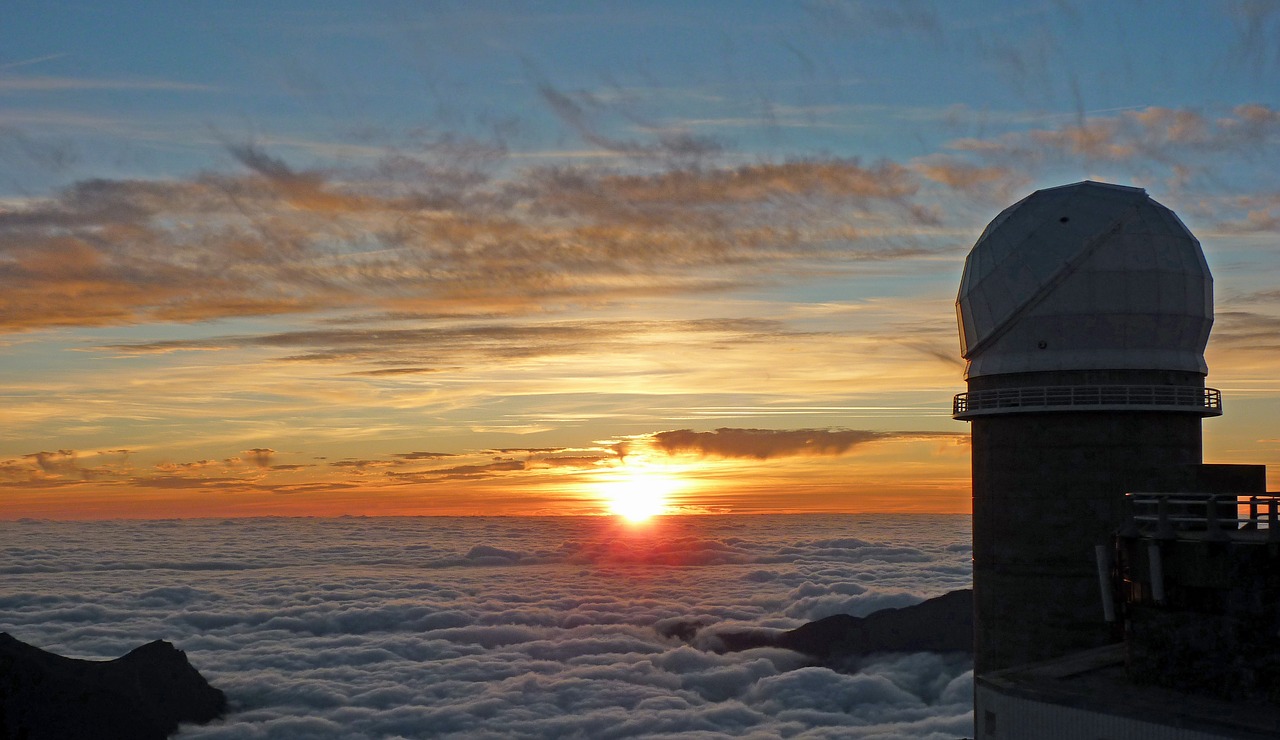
(371,628)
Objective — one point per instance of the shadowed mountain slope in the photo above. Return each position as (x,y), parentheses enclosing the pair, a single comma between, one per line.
(943,624)
(140,696)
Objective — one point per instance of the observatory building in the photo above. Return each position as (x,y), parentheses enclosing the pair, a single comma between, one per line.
(1084,311)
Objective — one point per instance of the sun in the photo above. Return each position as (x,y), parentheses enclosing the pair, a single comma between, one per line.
(637,493)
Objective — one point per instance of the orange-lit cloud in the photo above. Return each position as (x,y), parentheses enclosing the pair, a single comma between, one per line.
(398,350)
(260,456)
(992,182)
(426,234)
(1168,145)
(62,467)
(763,444)
(279,240)
(546,474)
(1260,214)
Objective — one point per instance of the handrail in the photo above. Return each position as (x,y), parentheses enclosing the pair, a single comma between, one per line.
(1206,516)
(1204,401)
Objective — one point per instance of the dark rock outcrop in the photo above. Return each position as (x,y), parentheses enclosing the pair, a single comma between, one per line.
(943,624)
(140,696)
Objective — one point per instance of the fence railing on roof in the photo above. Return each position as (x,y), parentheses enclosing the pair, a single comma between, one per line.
(1204,401)
(1203,516)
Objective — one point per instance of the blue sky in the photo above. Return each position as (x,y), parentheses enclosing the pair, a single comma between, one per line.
(782,79)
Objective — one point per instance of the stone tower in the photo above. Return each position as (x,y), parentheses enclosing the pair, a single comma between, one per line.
(1084,311)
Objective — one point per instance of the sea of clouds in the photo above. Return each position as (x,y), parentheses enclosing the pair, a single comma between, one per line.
(503,627)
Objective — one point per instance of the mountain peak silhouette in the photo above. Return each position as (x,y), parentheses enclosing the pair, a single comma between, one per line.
(142,695)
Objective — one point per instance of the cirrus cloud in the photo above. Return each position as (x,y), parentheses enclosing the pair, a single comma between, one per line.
(277,239)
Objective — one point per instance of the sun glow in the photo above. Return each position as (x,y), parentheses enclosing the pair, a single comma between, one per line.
(637,493)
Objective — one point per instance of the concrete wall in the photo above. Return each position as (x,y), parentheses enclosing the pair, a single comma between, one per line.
(1218,632)
(1047,488)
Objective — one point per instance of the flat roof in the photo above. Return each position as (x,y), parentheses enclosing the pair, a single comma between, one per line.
(1095,681)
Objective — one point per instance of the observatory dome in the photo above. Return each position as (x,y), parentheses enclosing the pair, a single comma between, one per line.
(1089,276)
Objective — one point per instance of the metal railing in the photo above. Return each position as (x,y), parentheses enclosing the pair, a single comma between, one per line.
(1204,401)
(1204,516)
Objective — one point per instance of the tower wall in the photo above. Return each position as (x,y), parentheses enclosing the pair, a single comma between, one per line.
(1047,488)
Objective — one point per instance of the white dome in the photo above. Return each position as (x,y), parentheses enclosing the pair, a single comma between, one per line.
(1087,276)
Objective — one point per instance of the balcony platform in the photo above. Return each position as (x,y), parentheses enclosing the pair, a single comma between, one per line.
(1043,399)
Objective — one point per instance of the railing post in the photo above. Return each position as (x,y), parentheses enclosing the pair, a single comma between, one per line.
(1273,521)
(1164,528)
(1130,527)
(1213,530)
(1103,556)
(1155,565)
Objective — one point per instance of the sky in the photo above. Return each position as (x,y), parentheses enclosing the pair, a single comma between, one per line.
(308,258)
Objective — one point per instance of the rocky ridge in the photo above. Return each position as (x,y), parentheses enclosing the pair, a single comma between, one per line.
(943,624)
(143,695)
